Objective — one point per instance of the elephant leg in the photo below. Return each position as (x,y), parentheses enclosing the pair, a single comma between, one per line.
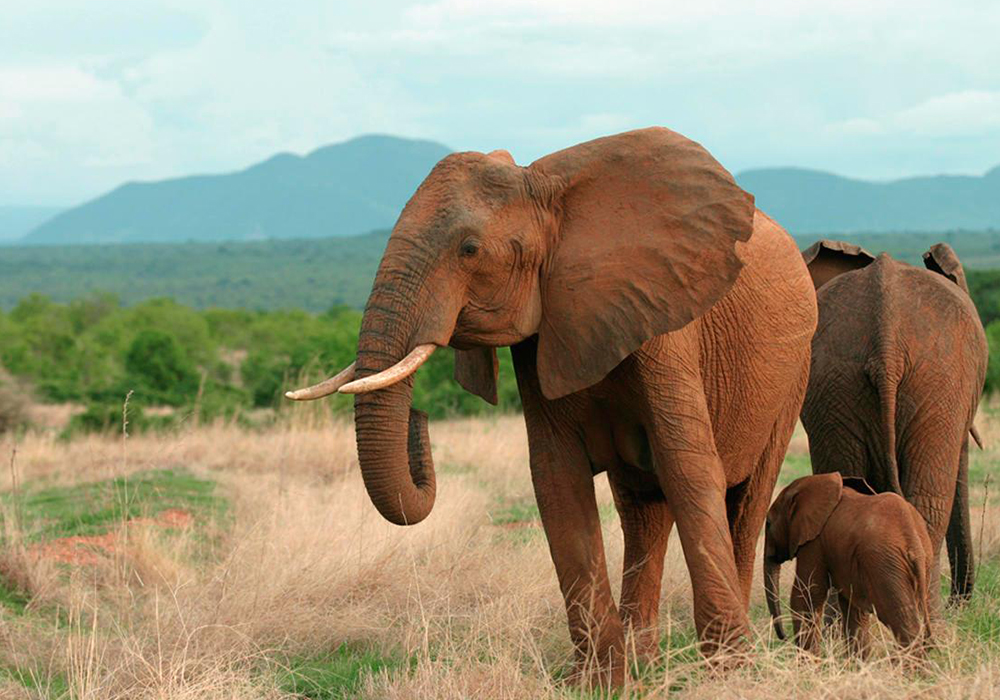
(807,601)
(855,623)
(646,523)
(694,481)
(564,490)
(928,482)
(959,535)
(747,503)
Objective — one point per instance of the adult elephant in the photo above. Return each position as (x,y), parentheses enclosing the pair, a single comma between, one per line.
(898,364)
(660,332)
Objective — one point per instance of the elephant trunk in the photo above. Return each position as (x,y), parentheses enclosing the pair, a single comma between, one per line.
(393,444)
(772,592)
(959,536)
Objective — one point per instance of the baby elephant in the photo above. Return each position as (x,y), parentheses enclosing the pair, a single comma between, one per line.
(873,549)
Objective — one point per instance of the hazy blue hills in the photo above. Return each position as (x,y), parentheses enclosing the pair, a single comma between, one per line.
(811,201)
(15,222)
(344,189)
(361,185)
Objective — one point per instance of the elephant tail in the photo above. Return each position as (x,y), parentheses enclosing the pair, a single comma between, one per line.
(886,388)
(975,436)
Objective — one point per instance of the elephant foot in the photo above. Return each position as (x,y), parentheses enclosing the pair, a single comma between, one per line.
(600,670)
(643,645)
(725,642)
(598,679)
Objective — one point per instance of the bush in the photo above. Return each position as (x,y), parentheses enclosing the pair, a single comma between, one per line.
(13,403)
(158,368)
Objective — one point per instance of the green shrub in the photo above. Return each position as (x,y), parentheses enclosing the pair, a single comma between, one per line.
(13,403)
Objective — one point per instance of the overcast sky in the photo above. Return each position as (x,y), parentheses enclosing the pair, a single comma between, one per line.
(98,92)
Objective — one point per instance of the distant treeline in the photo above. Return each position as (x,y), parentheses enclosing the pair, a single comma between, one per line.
(204,364)
(314,274)
(210,363)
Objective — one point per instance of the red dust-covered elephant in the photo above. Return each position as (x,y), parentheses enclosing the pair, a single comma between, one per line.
(660,330)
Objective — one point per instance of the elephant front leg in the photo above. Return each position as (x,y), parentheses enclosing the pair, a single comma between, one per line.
(809,593)
(564,489)
(646,523)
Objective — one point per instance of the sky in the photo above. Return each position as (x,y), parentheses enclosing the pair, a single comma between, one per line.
(96,93)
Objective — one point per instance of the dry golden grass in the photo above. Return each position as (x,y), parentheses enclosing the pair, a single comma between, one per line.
(466,602)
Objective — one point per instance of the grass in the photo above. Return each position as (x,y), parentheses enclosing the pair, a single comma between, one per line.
(307,593)
(336,675)
(47,512)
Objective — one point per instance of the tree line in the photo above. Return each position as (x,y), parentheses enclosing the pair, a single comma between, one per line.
(178,363)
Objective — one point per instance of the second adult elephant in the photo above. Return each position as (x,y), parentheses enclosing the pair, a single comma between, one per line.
(898,364)
(660,332)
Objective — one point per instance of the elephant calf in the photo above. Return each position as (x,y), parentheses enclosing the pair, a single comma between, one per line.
(873,549)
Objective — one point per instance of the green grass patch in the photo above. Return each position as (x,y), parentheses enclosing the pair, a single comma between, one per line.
(46,684)
(794,467)
(94,508)
(980,617)
(335,675)
(12,599)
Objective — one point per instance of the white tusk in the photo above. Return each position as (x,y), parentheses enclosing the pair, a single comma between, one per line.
(324,388)
(399,371)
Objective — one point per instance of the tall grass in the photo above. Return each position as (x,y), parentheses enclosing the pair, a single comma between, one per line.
(301,590)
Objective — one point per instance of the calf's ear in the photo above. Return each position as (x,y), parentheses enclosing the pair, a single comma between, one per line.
(827,259)
(942,259)
(812,503)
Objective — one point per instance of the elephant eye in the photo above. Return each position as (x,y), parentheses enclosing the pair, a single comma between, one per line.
(468,249)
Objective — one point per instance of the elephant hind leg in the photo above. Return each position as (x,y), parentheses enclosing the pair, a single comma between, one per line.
(855,625)
(646,523)
(747,502)
(959,535)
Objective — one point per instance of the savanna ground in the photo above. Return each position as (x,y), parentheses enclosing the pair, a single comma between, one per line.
(221,563)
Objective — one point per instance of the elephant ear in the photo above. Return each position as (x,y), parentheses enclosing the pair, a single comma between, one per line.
(826,259)
(476,371)
(812,504)
(648,224)
(858,483)
(942,259)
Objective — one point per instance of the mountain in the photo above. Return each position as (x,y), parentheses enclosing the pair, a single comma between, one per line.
(17,221)
(344,189)
(812,201)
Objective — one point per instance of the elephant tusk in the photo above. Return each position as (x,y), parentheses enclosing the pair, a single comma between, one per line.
(324,388)
(399,371)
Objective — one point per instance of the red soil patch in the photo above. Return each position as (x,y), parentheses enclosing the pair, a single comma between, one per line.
(85,549)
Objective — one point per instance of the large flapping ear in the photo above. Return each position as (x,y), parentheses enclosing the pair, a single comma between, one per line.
(826,259)
(941,258)
(812,503)
(476,371)
(648,225)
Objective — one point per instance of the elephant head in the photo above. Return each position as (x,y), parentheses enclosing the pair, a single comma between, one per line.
(796,518)
(594,249)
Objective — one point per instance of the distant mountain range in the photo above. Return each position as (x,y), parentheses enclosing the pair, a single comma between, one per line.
(15,222)
(339,190)
(362,184)
(812,201)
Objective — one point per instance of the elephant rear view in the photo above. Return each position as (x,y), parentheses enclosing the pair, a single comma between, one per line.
(898,364)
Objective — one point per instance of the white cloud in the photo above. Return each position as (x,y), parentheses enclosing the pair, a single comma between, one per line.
(955,114)
(114,89)
(966,113)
